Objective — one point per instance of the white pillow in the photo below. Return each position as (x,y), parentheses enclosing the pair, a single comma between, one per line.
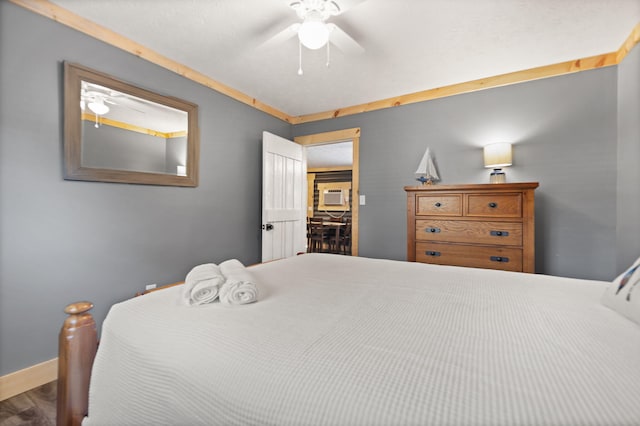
(623,295)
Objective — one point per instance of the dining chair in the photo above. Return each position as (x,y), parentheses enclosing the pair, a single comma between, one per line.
(317,235)
(333,233)
(344,238)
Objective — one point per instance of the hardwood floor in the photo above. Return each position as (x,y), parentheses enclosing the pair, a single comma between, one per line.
(36,407)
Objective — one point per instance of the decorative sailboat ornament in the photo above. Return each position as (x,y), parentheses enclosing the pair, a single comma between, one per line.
(427,172)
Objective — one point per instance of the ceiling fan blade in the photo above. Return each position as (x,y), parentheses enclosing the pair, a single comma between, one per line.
(343,41)
(136,104)
(135,109)
(120,104)
(346,5)
(279,38)
(335,7)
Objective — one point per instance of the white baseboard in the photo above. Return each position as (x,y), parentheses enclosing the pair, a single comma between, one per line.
(26,379)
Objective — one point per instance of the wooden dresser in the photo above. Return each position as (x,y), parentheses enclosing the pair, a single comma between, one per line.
(479,225)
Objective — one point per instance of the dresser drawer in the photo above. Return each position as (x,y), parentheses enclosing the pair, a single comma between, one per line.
(478,225)
(463,231)
(494,205)
(508,259)
(443,205)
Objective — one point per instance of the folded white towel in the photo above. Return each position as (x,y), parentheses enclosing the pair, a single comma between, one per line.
(204,292)
(239,287)
(202,284)
(206,271)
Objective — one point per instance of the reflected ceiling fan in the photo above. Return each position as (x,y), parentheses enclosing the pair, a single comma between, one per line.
(314,32)
(95,99)
(98,98)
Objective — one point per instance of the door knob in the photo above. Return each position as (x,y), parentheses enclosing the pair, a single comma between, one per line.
(267,227)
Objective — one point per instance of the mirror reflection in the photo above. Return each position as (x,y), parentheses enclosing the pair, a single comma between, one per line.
(117,132)
(125,132)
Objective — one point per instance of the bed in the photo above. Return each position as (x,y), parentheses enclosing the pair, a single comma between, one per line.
(338,340)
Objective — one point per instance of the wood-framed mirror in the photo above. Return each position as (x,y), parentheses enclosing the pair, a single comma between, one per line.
(117,132)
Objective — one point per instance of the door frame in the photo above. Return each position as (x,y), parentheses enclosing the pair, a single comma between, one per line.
(325,138)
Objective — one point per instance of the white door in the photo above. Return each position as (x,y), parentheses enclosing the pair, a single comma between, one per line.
(283,198)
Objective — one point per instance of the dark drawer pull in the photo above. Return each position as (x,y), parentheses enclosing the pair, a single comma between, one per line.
(493,205)
(433,230)
(438,204)
(500,233)
(499,259)
(432,253)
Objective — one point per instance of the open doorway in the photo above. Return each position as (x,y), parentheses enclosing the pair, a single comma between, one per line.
(336,173)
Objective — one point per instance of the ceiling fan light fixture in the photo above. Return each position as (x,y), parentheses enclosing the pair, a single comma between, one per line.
(313,33)
(98,107)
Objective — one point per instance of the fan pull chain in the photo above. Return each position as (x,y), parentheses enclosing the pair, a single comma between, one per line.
(299,57)
(328,55)
(97,125)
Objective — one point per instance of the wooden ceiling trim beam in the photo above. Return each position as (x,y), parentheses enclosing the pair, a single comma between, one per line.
(65,17)
(85,116)
(328,169)
(554,70)
(629,43)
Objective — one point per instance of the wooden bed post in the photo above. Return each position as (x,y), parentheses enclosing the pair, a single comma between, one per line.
(76,350)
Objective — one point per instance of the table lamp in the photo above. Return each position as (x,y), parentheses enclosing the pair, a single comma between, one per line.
(496,156)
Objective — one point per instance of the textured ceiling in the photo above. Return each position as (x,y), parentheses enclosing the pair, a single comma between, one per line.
(410,45)
(330,155)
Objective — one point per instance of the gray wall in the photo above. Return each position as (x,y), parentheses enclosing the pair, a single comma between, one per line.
(176,154)
(628,247)
(62,241)
(120,149)
(564,133)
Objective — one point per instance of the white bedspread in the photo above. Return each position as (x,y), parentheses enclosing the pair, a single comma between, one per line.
(337,340)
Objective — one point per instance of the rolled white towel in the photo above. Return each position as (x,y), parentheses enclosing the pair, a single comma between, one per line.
(204,292)
(238,293)
(239,287)
(206,271)
(202,284)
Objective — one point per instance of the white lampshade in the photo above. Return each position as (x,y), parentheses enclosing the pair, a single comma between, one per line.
(498,155)
(313,33)
(98,107)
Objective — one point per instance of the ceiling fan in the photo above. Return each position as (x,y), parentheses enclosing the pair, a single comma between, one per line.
(98,98)
(95,101)
(314,32)
(93,97)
